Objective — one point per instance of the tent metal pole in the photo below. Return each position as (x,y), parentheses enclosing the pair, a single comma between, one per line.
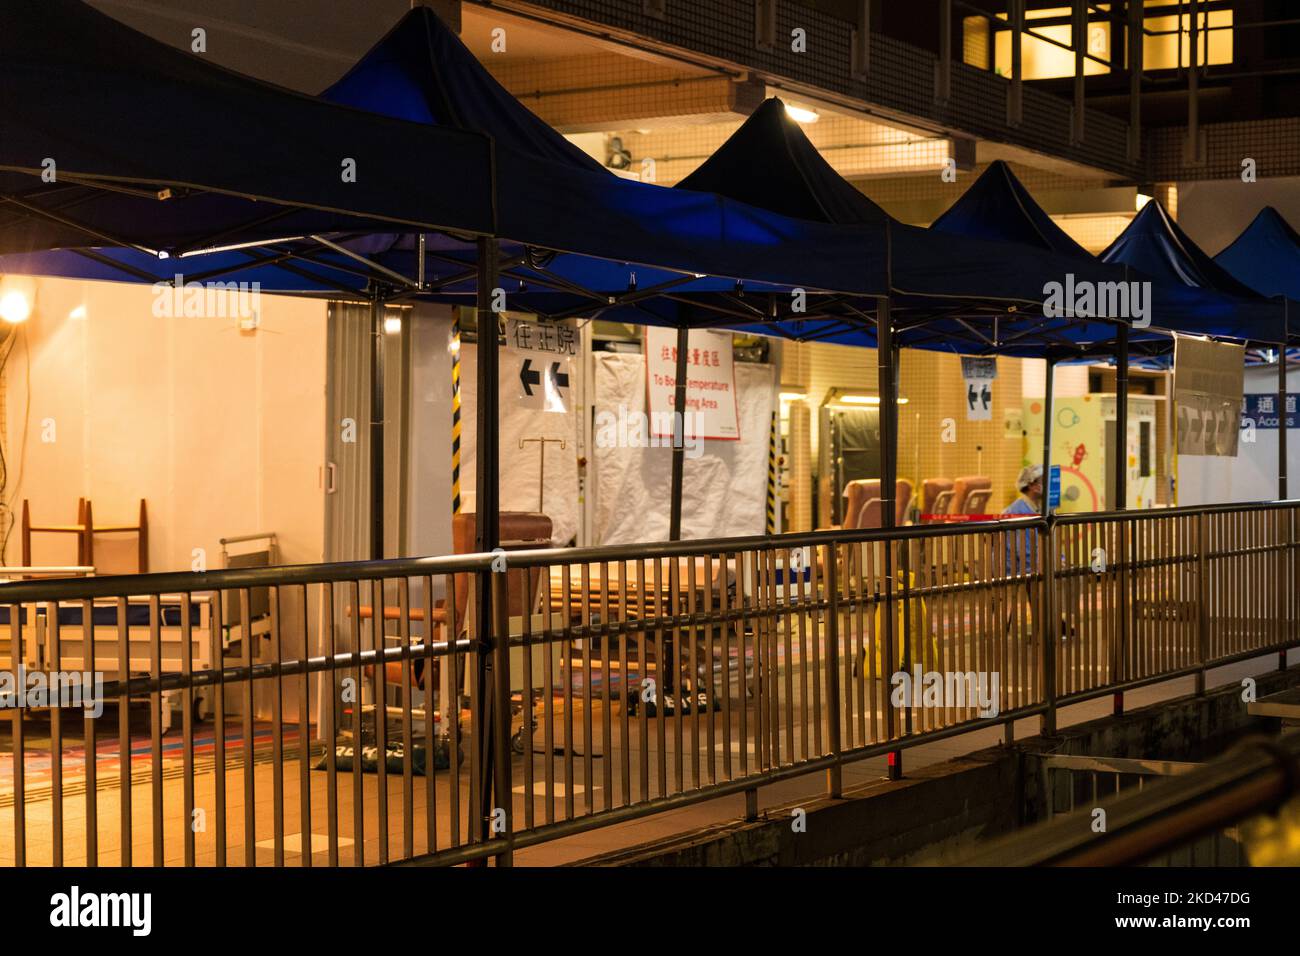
(1281,425)
(887,381)
(679,435)
(887,386)
(1047,432)
(487,532)
(376,424)
(1120,464)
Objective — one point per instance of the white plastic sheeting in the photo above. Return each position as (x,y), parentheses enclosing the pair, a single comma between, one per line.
(520,467)
(724,489)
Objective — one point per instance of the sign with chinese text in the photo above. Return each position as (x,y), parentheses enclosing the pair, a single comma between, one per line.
(710,383)
(539,360)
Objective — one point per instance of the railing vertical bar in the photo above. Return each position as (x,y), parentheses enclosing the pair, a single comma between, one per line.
(358,732)
(588,777)
(729,568)
(834,774)
(676,607)
(814,625)
(787,627)
(693,665)
(643,715)
(662,670)
(607,634)
(329,707)
(90,666)
(566,667)
(548,702)
(503,773)
(306,830)
(452,666)
(379,692)
(772,668)
(432,706)
(56,738)
(155,724)
(625,737)
(250,803)
(408,742)
(217,653)
(187,728)
(277,732)
(527,706)
(744,656)
(17,650)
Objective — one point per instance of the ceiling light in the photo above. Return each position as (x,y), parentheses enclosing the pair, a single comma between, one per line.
(801,115)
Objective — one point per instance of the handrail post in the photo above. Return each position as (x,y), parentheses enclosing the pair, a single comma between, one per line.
(834,775)
(500,638)
(1048,616)
(1202,599)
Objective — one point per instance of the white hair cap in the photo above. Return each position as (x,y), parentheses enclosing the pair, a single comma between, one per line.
(1028,475)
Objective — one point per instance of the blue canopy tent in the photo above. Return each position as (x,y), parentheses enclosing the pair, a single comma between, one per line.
(1266,257)
(75,83)
(975,294)
(1155,244)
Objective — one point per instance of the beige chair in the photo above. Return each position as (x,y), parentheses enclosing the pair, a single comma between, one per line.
(936,494)
(856,494)
(962,489)
(977,501)
(903,497)
(870,514)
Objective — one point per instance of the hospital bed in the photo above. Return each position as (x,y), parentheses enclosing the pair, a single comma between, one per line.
(61,641)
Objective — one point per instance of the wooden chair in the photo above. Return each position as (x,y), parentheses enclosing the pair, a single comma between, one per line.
(140,529)
(78,529)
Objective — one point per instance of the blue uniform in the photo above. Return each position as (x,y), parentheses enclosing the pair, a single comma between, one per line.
(1021,557)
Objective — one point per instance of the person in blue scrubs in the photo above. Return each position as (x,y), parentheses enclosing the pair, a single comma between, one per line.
(1020,547)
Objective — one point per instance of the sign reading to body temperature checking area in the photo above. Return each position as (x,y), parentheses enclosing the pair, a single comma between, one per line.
(710,383)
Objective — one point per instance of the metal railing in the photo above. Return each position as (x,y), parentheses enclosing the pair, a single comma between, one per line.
(1189,817)
(614,683)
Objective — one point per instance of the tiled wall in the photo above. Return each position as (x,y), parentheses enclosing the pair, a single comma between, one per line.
(932,384)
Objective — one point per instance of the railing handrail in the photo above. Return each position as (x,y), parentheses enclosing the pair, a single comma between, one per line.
(128,585)
(1255,776)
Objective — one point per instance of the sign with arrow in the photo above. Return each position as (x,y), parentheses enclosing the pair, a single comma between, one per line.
(541,357)
(979,374)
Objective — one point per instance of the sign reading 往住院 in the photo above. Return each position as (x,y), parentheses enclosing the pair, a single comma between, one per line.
(540,361)
(710,381)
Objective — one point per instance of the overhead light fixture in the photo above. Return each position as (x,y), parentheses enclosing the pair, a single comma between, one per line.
(793,397)
(393,324)
(16,296)
(860,399)
(801,115)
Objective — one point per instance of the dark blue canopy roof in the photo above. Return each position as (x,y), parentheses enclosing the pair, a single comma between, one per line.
(1157,247)
(1266,256)
(998,206)
(157,148)
(549,196)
